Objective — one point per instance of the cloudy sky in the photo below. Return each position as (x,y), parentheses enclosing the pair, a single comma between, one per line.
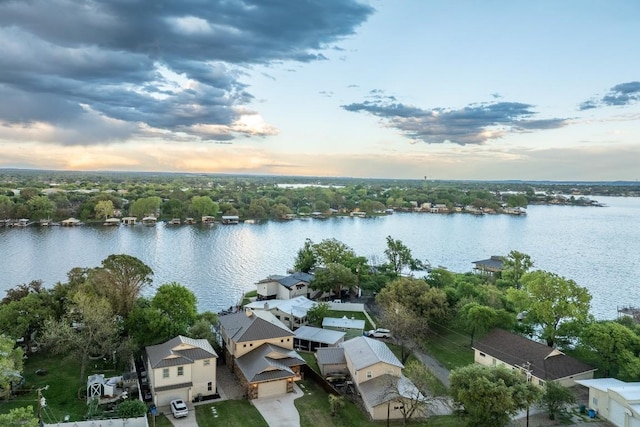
(444,89)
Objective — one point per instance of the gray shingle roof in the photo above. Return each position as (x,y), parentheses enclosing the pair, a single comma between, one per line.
(330,356)
(290,280)
(546,363)
(268,362)
(363,352)
(260,325)
(494,263)
(179,351)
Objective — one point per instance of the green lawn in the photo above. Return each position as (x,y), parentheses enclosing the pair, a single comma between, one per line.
(160,421)
(232,413)
(450,347)
(311,360)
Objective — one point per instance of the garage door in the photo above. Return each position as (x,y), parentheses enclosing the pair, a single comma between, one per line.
(272,388)
(616,413)
(163,398)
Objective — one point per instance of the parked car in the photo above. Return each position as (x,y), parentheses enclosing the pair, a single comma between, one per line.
(179,408)
(378,333)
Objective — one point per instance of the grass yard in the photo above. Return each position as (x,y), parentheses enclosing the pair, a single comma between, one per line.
(232,413)
(450,347)
(314,411)
(160,421)
(311,360)
(351,314)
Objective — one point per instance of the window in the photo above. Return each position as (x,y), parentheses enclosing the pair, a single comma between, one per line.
(165,373)
(180,371)
(206,362)
(369,374)
(209,386)
(244,345)
(482,355)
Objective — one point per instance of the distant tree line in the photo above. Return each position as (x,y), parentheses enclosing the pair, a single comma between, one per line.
(94,197)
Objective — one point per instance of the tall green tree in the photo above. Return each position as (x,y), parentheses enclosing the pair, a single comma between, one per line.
(515,265)
(477,318)
(555,398)
(416,295)
(489,396)
(6,207)
(122,278)
(104,209)
(549,300)
(10,365)
(615,347)
(398,254)
(305,259)
(41,207)
(333,277)
(89,329)
(204,206)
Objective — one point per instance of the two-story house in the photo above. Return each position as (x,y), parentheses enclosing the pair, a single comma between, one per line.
(291,312)
(284,287)
(376,373)
(258,348)
(181,368)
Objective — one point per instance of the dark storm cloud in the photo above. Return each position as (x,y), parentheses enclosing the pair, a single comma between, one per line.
(474,124)
(120,60)
(619,95)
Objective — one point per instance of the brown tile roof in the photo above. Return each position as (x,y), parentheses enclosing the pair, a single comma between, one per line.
(546,363)
(260,325)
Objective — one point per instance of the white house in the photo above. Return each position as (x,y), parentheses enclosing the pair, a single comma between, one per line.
(616,401)
(291,312)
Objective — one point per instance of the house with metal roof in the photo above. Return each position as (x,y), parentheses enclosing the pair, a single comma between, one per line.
(614,400)
(331,359)
(284,287)
(377,375)
(542,363)
(352,327)
(258,348)
(310,338)
(181,368)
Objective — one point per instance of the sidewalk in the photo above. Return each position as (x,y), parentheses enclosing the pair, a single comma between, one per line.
(434,366)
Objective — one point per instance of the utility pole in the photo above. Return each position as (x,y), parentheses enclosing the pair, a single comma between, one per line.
(42,402)
(527,370)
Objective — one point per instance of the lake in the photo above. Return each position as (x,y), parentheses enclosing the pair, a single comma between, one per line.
(598,247)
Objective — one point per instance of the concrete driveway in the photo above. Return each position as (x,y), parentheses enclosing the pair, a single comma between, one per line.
(188,421)
(280,411)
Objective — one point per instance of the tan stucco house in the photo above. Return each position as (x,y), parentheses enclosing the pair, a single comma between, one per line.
(181,368)
(616,401)
(258,348)
(543,363)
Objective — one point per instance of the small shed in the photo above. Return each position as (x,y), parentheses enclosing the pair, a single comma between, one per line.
(99,386)
(230,219)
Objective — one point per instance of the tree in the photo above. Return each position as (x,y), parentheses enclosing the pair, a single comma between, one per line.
(549,300)
(555,397)
(305,259)
(204,206)
(407,328)
(398,254)
(333,277)
(416,295)
(10,365)
(132,408)
(515,265)
(178,304)
(89,329)
(6,207)
(19,417)
(335,402)
(104,209)
(145,206)
(614,346)
(21,318)
(41,207)
(478,318)
(122,278)
(317,313)
(488,396)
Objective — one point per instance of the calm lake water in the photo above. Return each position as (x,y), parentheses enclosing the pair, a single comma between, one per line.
(599,248)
